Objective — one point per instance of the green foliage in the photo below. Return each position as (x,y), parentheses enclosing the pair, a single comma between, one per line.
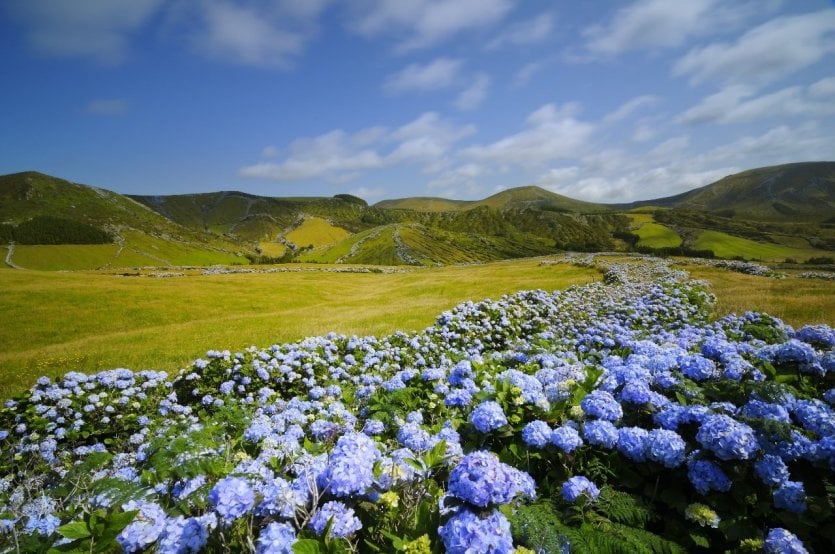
(97,532)
(46,229)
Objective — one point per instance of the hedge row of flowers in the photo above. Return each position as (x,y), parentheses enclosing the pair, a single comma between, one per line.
(610,417)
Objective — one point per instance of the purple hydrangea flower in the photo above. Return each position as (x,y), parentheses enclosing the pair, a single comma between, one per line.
(350,469)
(467,533)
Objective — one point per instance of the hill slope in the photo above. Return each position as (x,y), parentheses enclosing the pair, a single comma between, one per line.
(137,235)
(791,192)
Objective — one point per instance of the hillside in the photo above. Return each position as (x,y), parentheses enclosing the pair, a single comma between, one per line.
(791,192)
(772,213)
(133,234)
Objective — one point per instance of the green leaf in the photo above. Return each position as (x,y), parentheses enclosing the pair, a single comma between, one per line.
(74,530)
(306,546)
(700,540)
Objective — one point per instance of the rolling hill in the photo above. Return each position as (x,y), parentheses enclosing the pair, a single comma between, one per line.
(767,213)
(790,193)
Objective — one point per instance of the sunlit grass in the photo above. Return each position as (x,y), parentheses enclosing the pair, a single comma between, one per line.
(316,232)
(728,246)
(655,235)
(57,322)
(794,300)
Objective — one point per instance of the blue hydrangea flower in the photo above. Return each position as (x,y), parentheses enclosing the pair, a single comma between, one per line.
(727,438)
(468,533)
(790,496)
(488,416)
(373,427)
(40,517)
(276,538)
(566,438)
(772,470)
(602,405)
(706,476)
(579,486)
(699,368)
(781,541)
(350,469)
(183,536)
(632,443)
(411,435)
(600,432)
(232,497)
(536,434)
(345,523)
(146,527)
(482,480)
(665,447)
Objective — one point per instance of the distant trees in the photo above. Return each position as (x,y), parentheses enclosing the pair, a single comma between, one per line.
(45,229)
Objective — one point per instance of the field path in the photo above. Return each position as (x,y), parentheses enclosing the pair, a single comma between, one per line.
(9,254)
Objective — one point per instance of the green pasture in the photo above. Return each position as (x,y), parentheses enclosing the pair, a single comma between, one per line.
(316,232)
(724,245)
(56,322)
(651,234)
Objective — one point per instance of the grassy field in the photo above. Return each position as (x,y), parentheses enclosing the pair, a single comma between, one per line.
(794,300)
(316,232)
(728,246)
(61,321)
(57,322)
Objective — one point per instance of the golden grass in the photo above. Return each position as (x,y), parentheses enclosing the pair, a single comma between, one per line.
(316,232)
(794,300)
(58,322)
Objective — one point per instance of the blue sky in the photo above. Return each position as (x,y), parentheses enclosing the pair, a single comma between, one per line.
(601,101)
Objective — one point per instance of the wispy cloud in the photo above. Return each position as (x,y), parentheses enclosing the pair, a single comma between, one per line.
(423,23)
(111,107)
(472,97)
(648,24)
(526,32)
(764,54)
(437,74)
(99,30)
(631,106)
(338,156)
(738,103)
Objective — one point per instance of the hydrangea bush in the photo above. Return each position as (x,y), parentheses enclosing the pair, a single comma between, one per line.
(612,417)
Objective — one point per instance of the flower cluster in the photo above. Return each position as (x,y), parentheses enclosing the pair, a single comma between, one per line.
(273,446)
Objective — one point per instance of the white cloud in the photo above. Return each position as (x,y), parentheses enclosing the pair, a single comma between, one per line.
(437,74)
(425,23)
(472,97)
(525,32)
(631,106)
(552,133)
(367,193)
(526,72)
(94,29)
(824,87)
(737,103)
(648,24)
(338,156)
(111,107)
(766,53)
(458,182)
(270,35)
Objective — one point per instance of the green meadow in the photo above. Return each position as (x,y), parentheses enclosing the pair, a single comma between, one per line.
(728,246)
(56,322)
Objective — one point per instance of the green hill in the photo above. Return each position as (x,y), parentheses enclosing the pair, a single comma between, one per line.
(791,192)
(114,230)
(768,213)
